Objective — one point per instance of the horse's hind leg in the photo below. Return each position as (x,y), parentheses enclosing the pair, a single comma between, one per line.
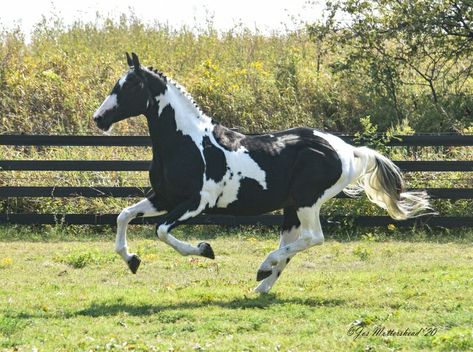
(143,208)
(310,235)
(289,233)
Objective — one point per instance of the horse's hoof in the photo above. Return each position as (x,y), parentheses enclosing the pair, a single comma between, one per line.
(206,250)
(263,274)
(134,263)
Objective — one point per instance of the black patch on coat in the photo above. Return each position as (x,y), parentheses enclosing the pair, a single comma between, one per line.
(250,199)
(215,162)
(290,219)
(228,139)
(177,167)
(157,84)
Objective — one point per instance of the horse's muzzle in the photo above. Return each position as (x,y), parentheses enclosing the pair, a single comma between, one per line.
(101,123)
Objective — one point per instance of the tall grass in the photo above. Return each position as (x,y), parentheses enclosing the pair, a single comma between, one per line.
(53,83)
(256,82)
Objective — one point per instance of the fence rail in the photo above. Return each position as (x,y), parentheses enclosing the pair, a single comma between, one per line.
(124,192)
(141,165)
(422,140)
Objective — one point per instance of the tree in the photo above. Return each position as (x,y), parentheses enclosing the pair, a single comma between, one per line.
(425,43)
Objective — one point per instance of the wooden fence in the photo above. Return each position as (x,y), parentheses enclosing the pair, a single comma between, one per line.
(143,165)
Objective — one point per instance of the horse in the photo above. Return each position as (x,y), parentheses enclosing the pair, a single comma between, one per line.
(200,166)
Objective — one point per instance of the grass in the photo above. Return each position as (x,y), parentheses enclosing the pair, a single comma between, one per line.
(71,295)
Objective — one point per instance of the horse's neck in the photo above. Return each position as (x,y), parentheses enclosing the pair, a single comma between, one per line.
(189,118)
(176,115)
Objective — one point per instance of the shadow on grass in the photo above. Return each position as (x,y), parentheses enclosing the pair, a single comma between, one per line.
(261,302)
(106,309)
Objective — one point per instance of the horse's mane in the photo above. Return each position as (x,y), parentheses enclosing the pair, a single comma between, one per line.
(183,91)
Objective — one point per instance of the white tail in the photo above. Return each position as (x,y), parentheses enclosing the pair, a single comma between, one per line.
(382,182)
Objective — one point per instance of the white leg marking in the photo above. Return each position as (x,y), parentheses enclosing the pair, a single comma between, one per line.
(287,237)
(311,235)
(145,208)
(182,247)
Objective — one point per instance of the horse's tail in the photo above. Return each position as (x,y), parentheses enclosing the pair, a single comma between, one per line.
(382,182)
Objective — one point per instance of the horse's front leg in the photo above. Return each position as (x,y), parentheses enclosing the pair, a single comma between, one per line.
(181,213)
(143,208)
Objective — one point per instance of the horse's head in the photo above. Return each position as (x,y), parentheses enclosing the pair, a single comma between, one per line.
(131,95)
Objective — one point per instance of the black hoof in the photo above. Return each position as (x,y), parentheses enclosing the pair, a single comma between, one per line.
(134,263)
(206,250)
(263,274)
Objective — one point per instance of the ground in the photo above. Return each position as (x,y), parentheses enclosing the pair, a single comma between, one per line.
(79,296)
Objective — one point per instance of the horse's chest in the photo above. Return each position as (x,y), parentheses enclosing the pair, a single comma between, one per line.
(178,178)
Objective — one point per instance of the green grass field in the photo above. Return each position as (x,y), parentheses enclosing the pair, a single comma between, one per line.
(78,296)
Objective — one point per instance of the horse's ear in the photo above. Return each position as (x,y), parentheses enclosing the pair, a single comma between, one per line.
(136,61)
(128,60)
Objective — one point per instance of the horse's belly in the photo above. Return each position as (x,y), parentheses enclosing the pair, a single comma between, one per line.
(248,197)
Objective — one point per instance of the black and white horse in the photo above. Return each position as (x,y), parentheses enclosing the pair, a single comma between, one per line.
(200,166)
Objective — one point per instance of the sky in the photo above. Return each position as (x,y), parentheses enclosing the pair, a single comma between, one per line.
(266,15)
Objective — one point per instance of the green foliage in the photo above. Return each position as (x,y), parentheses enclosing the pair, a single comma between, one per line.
(245,80)
(369,136)
(10,325)
(362,252)
(410,59)
(79,259)
(316,77)
(10,330)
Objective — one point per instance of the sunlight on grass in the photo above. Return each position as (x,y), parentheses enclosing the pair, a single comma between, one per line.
(80,291)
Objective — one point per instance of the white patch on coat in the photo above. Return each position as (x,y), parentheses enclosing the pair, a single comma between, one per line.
(122,80)
(108,104)
(222,193)
(225,192)
(192,122)
(230,191)
(189,120)
(346,155)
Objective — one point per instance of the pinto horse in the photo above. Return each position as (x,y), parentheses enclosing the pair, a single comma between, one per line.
(200,166)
